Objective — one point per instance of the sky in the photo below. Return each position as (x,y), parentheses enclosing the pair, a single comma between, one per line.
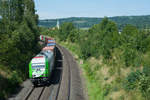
(52,9)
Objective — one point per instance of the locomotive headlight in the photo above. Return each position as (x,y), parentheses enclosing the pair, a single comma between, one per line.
(44,79)
(33,76)
(43,74)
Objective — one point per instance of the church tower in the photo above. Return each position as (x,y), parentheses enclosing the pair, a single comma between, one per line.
(57,24)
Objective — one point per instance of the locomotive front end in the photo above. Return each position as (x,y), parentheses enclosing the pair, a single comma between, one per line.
(37,70)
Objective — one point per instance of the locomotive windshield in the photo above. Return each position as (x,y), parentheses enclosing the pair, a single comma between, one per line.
(35,66)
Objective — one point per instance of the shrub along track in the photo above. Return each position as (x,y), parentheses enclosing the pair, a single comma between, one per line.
(65,81)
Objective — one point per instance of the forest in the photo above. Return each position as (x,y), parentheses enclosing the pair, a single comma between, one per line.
(116,64)
(18,42)
(141,22)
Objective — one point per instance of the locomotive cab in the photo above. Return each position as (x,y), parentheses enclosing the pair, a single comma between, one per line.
(40,67)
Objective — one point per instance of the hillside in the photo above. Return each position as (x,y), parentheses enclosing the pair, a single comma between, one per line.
(86,22)
(115,66)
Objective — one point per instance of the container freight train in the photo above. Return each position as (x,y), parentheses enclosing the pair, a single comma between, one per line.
(41,66)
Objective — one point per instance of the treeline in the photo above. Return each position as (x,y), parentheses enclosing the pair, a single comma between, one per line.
(18,42)
(127,49)
(141,22)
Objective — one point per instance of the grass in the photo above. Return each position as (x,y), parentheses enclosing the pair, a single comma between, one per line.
(95,91)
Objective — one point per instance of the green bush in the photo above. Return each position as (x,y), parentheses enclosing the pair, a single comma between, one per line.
(106,89)
(15,79)
(139,80)
(131,80)
(97,67)
(9,85)
(122,98)
(111,71)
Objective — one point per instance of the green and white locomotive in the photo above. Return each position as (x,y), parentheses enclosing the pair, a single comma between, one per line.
(41,66)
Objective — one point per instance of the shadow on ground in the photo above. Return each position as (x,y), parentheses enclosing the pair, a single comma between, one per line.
(56,74)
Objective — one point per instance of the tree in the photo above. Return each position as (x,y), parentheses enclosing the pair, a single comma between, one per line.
(19,33)
(65,30)
(103,38)
(133,44)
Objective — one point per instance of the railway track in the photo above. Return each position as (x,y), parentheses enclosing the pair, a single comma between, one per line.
(35,93)
(28,94)
(72,87)
(68,71)
(65,82)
